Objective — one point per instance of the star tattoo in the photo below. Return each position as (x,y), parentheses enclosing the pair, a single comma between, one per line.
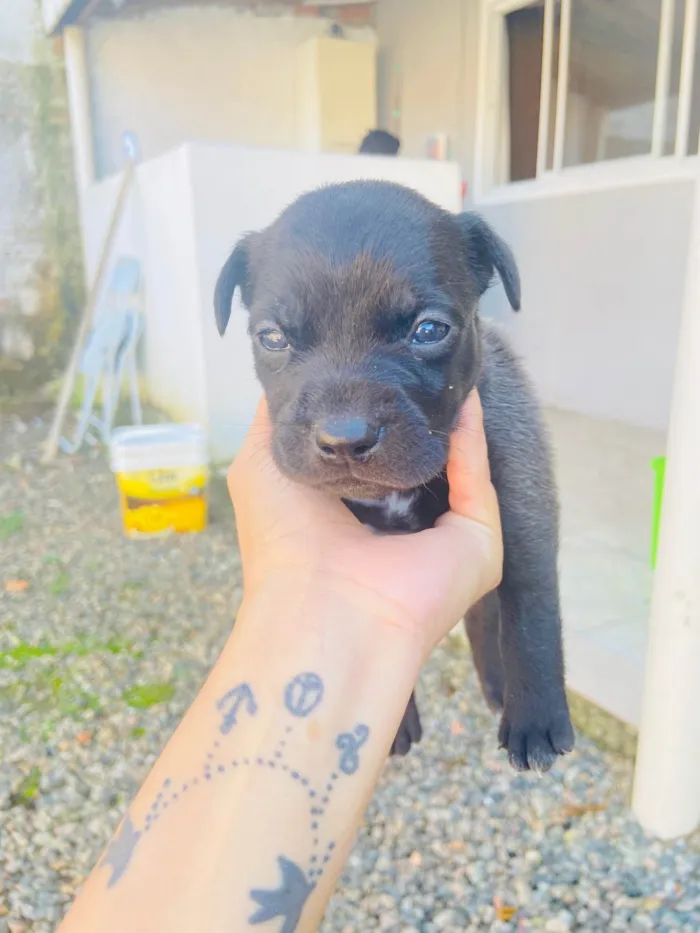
(287,901)
(120,850)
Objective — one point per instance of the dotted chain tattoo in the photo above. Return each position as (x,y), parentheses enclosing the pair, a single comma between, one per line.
(302,696)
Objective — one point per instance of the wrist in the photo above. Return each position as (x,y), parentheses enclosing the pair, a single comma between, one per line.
(291,604)
(368,663)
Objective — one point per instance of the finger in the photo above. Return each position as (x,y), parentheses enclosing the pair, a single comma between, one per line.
(468,471)
(472,525)
(255,456)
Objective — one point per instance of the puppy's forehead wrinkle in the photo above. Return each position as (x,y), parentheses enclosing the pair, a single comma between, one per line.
(372,282)
(350,298)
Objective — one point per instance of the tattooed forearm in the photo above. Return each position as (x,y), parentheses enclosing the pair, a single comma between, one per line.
(302,696)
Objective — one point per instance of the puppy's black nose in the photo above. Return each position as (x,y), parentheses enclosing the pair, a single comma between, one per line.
(350,438)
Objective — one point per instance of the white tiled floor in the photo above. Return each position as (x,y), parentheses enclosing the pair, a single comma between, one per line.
(606,489)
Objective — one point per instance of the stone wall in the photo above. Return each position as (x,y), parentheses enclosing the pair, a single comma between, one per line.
(41,279)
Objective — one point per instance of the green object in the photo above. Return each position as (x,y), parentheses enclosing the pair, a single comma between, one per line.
(146,695)
(11,524)
(28,790)
(658,465)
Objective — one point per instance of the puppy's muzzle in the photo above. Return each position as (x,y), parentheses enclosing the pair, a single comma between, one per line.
(349,438)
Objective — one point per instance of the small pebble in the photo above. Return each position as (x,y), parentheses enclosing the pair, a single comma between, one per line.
(562,923)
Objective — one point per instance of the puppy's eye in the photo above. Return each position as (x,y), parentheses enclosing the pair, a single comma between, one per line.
(271,339)
(430,332)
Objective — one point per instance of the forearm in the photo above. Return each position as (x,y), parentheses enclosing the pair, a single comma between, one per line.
(263,784)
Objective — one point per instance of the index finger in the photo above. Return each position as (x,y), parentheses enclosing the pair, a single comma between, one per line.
(255,455)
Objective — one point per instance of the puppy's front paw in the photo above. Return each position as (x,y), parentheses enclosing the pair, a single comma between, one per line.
(534,734)
(410,731)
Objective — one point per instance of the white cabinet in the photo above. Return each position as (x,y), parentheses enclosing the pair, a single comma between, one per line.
(336,94)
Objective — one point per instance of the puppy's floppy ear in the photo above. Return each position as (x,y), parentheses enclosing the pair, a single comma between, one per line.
(486,251)
(235,274)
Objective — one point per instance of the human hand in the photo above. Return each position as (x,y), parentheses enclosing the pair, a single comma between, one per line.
(294,536)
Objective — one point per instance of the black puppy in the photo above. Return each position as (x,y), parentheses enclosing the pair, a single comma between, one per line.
(363,302)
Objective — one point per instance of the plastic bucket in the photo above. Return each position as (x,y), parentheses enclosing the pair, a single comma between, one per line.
(658,465)
(162,474)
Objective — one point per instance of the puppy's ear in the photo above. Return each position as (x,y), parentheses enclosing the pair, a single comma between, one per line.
(235,274)
(486,251)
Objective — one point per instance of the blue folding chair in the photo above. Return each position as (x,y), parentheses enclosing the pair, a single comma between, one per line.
(109,355)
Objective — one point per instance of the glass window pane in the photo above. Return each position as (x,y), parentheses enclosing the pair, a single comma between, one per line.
(612,79)
(610,88)
(524,31)
(674,85)
(524,37)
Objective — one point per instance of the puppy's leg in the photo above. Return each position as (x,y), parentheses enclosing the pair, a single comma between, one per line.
(410,730)
(535,726)
(482,623)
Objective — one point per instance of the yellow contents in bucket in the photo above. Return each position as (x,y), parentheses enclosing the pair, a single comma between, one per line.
(162,473)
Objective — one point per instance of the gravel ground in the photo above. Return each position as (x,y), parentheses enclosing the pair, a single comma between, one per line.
(104,642)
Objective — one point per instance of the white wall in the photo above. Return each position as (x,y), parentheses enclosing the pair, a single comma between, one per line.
(196,73)
(100,200)
(157,227)
(174,357)
(603,275)
(19,31)
(428,67)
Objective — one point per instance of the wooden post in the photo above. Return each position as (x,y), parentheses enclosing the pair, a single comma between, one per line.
(51,446)
(666,796)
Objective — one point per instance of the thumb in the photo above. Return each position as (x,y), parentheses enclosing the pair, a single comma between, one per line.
(474,512)
(468,472)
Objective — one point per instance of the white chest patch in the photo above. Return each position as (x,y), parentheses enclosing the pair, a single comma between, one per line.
(395,506)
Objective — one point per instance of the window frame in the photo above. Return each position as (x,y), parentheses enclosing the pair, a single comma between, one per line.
(653,167)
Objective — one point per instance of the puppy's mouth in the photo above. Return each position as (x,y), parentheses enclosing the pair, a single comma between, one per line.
(407,458)
(357,487)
